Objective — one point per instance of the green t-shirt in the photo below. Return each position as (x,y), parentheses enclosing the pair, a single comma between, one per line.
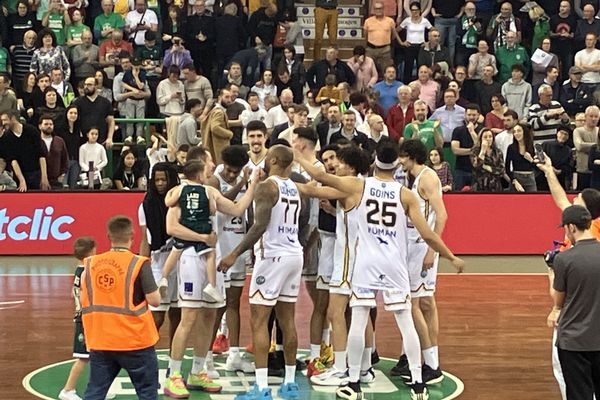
(148,55)
(11,5)
(424,131)
(75,31)
(102,22)
(56,23)
(3,60)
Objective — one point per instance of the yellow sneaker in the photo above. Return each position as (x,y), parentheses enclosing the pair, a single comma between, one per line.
(326,355)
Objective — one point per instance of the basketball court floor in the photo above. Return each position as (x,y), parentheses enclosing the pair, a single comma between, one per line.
(494,343)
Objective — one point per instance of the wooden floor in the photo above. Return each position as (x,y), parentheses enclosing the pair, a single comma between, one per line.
(493,333)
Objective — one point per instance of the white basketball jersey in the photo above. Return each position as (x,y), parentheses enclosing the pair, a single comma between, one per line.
(344,252)
(313,219)
(426,208)
(230,229)
(252,166)
(281,237)
(381,255)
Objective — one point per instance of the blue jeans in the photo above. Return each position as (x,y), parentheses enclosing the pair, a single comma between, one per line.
(141,365)
(462,179)
(72,174)
(447,28)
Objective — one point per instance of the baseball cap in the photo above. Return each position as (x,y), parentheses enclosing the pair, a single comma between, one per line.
(575,70)
(575,215)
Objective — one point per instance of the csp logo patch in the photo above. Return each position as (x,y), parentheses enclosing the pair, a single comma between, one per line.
(260,280)
(106,280)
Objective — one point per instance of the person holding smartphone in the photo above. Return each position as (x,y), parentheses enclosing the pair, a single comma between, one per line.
(170,93)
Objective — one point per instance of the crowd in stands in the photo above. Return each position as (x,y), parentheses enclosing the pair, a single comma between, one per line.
(479,82)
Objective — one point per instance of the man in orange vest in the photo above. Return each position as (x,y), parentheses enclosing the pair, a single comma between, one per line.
(116,289)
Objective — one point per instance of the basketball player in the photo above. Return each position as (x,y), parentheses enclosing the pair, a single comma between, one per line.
(382,236)
(196,311)
(257,137)
(277,271)
(422,259)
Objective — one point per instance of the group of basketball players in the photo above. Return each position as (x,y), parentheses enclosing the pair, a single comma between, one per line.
(343,222)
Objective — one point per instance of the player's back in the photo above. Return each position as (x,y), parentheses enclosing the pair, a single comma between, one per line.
(195,208)
(424,204)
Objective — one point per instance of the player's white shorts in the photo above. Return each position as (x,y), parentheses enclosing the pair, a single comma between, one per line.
(236,275)
(327,245)
(310,269)
(157,262)
(276,279)
(421,286)
(393,299)
(192,280)
(341,276)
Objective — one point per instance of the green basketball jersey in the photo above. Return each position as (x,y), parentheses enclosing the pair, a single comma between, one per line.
(195,208)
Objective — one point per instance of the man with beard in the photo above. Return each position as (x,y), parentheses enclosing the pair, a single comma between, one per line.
(97,112)
(256,132)
(463,139)
(330,126)
(216,134)
(428,131)
(55,151)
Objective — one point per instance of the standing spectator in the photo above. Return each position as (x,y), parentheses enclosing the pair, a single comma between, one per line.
(330,125)
(541,27)
(196,85)
(519,160)
(73,138)
(278,114)
(265,87)
(24,148)
(488,164)
(540,71)
(494,120)
(546,116)
(588,60)
(187,132)
(201,37)
(25,94)
(505,138)
(379,31)
(170,93)
(388,89)
(55,151)
(326,13)
(20,22)
(584,138)
(415,26)
(486,88)
(254,113)
(234,111)
(400,114)
(8,101)
(139,21)
(292,63)
(49,55)
(93,153)
(478,61)
(110,50)
(261,28)
(134,80)
(103,85)
(464,139)
(424,5)
(470,28)
(315,76)
(62,86)
(107,22)
(428,89)
(175,26)
(561,155)
(216,134)
(447,14)
(293,36)
(433,52)
(586,25)
(349,132)
(299,114)
(503,23)
(575,96)
(85,57)
(21,57)
(76,29)
(551,80)
(231,38)
(428,131)
(450,117)
(177,55)
(52,108)
(376,132)
(364,68)
(441,168)
(98,113)
(511,54)
(234,75)
(250,61)
(562,32)
(56,19)
(517,92)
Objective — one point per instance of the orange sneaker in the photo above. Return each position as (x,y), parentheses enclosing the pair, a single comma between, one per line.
(315,367)
(221,344)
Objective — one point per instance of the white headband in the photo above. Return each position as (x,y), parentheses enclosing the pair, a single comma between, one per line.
(381,165)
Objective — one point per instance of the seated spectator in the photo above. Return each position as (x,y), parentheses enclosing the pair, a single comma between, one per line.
(575,97)
(561,155)
(62,86)
(134,81)
(170,93)
(400,114)
(540,71)
(315,76)
(330,90)
(75,29)
(546,116)
(501,24)
(364,68)
(519,164)
(433,52)
(73,138)
(8,100)
(292,63)
(177,55)
(55,151)
(488,164)
(85,57)
(517,92)
(494,120)
(264,87)
(128,176)
(551,80)
(20,22)
(92,154)
(349,132)
(107,22)
(512,53)
(480,60)
(56,19)
(441,167)
(48,55)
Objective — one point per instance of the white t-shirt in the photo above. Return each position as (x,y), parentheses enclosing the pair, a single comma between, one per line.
(588,57)
(502,141)
(276,116)
(415,32)
(133,18)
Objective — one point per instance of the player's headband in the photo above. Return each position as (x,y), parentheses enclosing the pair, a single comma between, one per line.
(381,165)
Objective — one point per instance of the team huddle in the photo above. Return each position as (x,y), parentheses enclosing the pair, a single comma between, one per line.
(347,226)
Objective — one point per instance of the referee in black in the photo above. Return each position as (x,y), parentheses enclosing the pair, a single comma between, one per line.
(576,309)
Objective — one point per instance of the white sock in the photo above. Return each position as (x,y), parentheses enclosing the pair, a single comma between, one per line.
(223,327)
(374,344)
(209,355)
(234,351)
(290,374)
(365,363)
(429,357)
(278,347)
(315,351)
(412,347)
(175,365)
(326,336)
(197,365)
(340,360)
(262,378)
(356,341)
(436,358)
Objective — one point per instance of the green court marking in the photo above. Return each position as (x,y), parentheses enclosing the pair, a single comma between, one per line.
(46,383)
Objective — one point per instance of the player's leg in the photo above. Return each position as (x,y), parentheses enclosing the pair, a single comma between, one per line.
(174,314)
(235,362)
(432,372)
(412,347)
(69,390)
(199,379)
(367,375)
(261,343)
(286,319)
(374,355)
(318,322)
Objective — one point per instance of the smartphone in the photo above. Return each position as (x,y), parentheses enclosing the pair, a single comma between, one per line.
(539,152)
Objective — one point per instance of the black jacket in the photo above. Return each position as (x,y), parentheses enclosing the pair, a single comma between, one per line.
(232,35)
(315,76)
(204,23)
(359,138)
(248,60)
(576,99)
(262,26)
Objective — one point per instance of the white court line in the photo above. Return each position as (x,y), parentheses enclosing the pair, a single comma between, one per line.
(11,303)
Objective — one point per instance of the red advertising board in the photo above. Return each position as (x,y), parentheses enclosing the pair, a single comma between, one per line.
(48,223)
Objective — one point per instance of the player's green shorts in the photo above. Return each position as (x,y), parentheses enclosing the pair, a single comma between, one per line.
(79,349)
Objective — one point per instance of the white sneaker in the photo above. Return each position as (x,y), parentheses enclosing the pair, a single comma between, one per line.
(110,396)
(330,377)
(163,286)
(140,140)
(367,376)
(237,363)
(68,395)
(213,294)
(211,371)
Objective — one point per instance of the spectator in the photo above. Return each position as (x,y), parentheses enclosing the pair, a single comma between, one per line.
(250,62)
(519,160)
(56,19)
(234,75)
(315,76)
(415,26)
(588,59)
(48,55)
(62,86)
(293,36)
(261,29)
(24,147)
(364,68)
(428,131)
(546,116)
(551,80)
(358,104)
(175,26)
(140,20)
(441,168)
(98,113)
(76,29)
(517,92)
(52,108)
(6,181)
(562,32)
(584,138)
(505,138)
(187,132)
(216,134)
(170,93)
(234,111)
(232,36)
(330,90)
(321,112)
(511,54)
(150,54)
(73,138)
(540,70)
(586,25)
(111,49)
(486,88)
(388,89)
(447,14)
(177,55)
(254,113)
(299,119)
(478,61)
(450,117)
(424,5)
(8,100)
(376,132)
(134,80)
(379,31)
(92,153)
(278,129)
(196,85)
(38,97)
(278,114)
(325,13)
(428,89)
(85,57)
(574,96)
(55,151)
(432,52)
(292,63)
(103,85)
(264,87)
(349,132)
(128,176)
(488,164)
(470,28)
(330,125)
(503,23)
(20,22)
(25,94)
(107,22)
(541,27)
(561,155)
(201,37)
(494,120)
(400,114)
(21,57)
(464,139)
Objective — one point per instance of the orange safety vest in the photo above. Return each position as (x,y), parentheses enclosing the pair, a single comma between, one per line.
(110,319)
(594,229)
